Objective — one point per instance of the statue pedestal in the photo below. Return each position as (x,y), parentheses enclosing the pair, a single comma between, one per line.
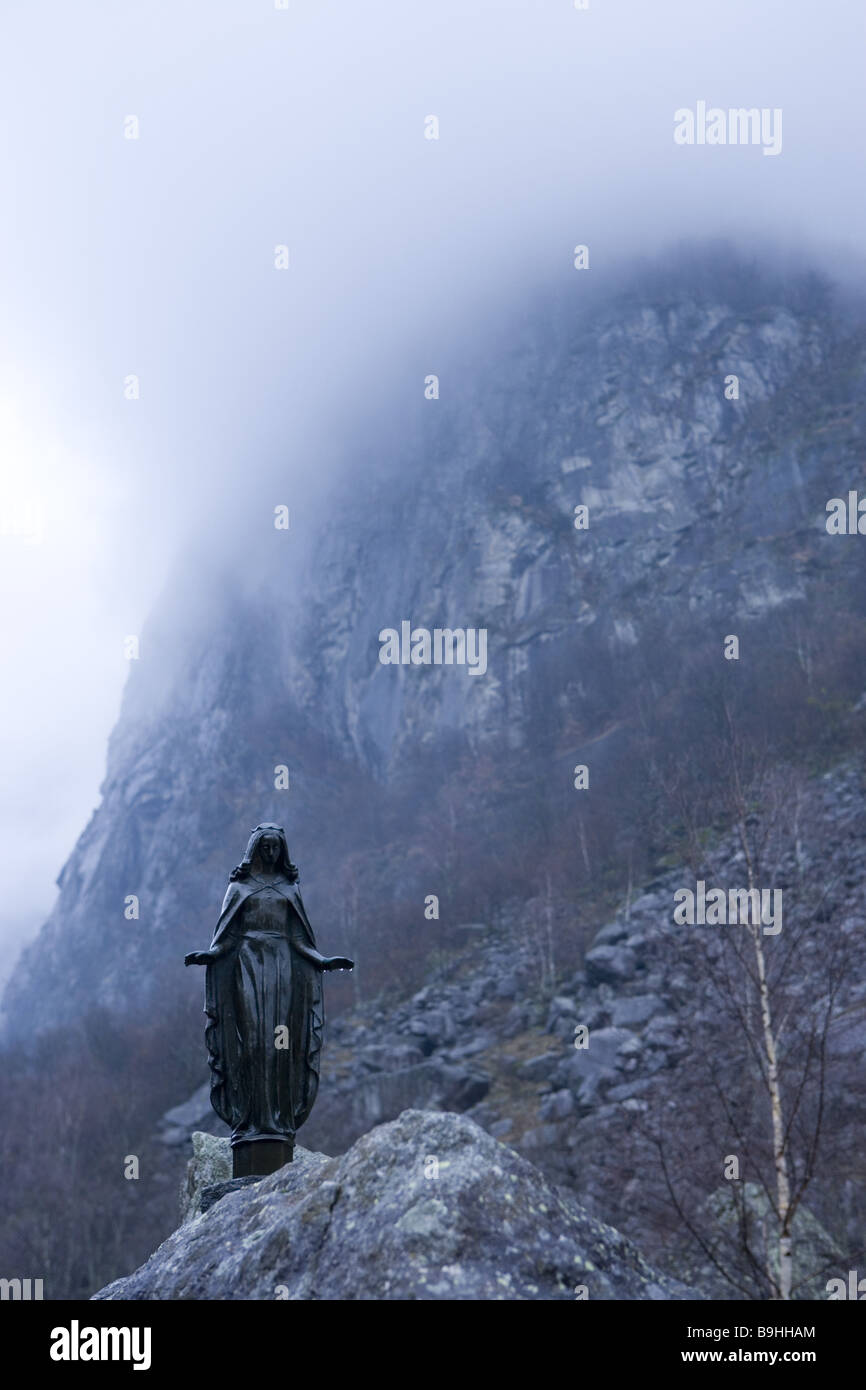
(258,1157)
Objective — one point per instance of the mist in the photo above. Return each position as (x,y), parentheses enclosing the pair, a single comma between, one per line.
(165,382)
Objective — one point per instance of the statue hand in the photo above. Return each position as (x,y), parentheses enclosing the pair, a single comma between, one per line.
(339,963)
(198,958)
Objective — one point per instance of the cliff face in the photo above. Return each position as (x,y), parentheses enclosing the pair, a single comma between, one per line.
(703,514)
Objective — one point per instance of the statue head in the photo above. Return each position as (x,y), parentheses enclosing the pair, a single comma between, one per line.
(268,852)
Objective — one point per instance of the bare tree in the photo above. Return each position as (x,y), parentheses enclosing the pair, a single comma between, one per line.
(773,999)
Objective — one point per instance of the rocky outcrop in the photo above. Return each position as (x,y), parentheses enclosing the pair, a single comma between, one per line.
(426,1207)
(209,1167)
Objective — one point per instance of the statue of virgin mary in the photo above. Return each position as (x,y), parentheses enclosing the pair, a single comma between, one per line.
(264,1006)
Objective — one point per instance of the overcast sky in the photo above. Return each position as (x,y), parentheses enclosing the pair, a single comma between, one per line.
(305,127)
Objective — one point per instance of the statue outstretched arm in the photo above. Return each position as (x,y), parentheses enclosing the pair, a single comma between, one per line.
(323,962)
(200,957)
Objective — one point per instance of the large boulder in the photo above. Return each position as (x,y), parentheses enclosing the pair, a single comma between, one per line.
(429,1206)
(587,1070)
(609,965)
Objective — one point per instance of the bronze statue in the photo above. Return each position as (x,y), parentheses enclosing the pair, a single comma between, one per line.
(264,1006)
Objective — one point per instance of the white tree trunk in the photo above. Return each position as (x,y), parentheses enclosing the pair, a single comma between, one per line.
(780,1157)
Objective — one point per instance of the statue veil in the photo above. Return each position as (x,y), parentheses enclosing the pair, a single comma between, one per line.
(284,864)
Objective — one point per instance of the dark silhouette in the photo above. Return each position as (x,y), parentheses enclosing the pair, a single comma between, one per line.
(264,1005)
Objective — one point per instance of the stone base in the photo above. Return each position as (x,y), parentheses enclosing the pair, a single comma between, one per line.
(258,1157)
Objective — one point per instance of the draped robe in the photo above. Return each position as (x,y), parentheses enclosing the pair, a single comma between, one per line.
(267,977)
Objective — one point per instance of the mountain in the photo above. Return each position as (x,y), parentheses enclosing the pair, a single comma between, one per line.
(499,850)
(705,518)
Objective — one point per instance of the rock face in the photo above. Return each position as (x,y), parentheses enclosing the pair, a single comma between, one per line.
(703,510)
(426,1207)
